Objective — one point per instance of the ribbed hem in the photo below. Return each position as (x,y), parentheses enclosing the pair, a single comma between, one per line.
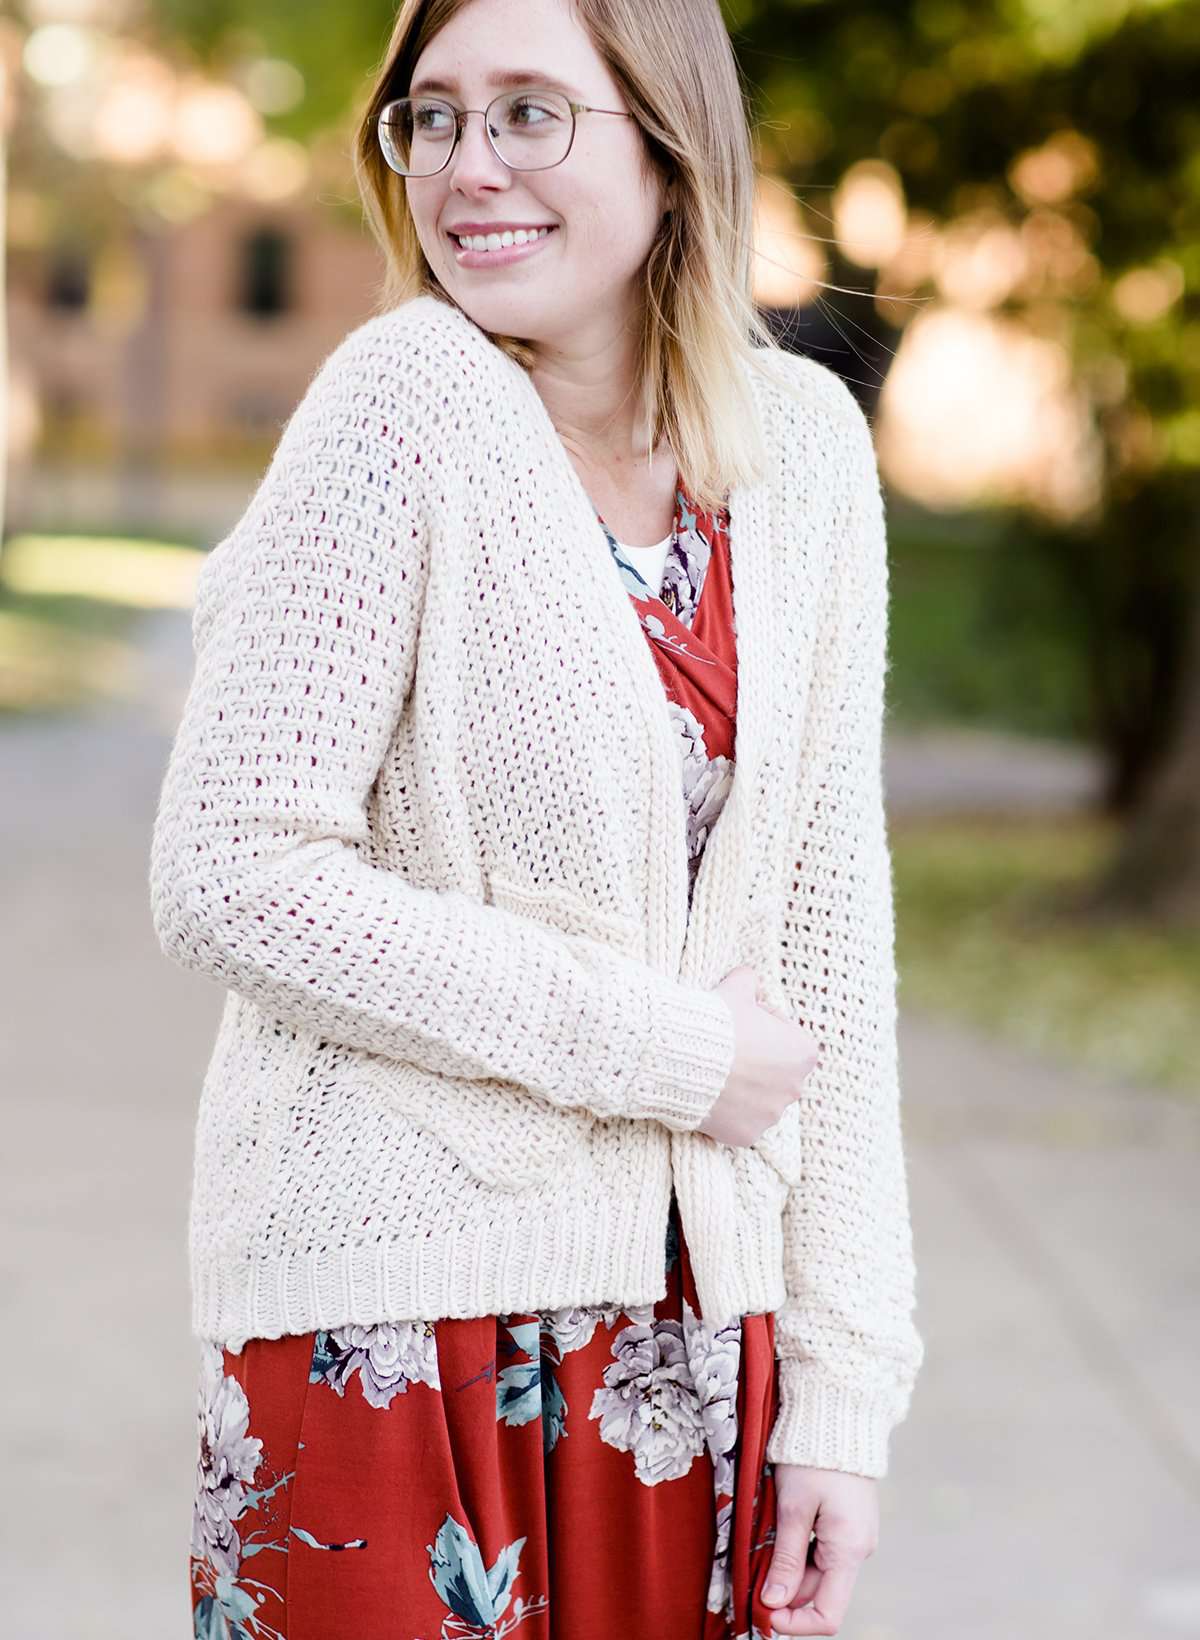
(830,1425)
(602,1245)
(598,1252)
(688,1057)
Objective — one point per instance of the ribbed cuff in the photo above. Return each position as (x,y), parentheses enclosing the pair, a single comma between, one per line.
(830,1425)
(688,1056)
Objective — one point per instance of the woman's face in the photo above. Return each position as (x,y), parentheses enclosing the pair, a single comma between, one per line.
(582,280)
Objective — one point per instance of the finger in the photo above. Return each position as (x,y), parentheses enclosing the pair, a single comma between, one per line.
(809,1584)
(806,1588)
(793,1532)
(827,1610)
(782,1614)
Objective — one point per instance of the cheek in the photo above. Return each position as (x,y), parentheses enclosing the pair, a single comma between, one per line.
(424,208)
(618,215)
(613,235)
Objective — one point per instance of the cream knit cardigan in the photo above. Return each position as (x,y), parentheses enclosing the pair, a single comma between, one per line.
(423,818)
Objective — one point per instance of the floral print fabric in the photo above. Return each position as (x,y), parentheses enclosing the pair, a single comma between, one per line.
(590,1473)
(690,626)
(577,1473)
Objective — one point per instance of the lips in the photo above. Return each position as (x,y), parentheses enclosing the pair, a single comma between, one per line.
(500,256)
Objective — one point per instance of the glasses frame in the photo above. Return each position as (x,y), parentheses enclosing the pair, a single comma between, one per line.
(460,119)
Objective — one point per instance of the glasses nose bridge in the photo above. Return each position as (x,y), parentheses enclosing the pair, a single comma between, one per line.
(461,116)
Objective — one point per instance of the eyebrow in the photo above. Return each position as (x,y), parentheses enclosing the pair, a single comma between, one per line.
(505,80)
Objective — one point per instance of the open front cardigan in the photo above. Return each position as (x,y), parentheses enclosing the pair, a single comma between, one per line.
(423,819)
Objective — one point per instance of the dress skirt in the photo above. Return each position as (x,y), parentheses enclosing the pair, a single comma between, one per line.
(578,1474)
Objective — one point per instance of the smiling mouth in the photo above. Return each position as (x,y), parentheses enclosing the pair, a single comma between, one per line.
(501,241)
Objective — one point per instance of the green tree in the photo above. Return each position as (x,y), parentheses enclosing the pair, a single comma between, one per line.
(951,93)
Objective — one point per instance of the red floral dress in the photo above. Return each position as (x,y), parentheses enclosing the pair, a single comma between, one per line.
(584,1473)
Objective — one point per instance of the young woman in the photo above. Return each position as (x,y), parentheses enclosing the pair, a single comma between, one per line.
(549,1232)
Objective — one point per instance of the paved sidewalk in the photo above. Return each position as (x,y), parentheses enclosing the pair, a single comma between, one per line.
(1046,1483)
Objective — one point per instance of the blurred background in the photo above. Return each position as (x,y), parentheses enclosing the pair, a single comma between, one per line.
(985,214)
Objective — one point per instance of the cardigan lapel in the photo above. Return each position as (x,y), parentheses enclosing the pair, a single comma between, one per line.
(712,934)
(683,946)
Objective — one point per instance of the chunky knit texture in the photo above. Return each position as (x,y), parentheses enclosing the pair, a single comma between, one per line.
(423,819)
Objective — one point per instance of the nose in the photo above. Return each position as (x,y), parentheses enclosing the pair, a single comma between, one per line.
(475,163)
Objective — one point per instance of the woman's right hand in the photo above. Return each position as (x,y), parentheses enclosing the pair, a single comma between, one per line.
(771,1059)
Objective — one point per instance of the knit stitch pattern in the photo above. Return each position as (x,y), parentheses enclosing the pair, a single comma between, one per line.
(422,820)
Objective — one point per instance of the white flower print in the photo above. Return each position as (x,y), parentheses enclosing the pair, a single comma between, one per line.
(692,748)
(641,1315)
(571,1327)
(707,781)
(574,1325)
(228,1461)
(648,1404)
(714,1357)
(707,796)
(387,1357)
(720,1584)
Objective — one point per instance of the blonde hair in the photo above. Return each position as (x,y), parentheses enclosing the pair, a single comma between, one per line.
(675,65)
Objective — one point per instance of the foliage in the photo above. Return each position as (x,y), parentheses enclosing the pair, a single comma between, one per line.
(956,95)
(979,936)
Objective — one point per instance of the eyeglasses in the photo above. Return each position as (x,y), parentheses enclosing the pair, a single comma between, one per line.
(529,130)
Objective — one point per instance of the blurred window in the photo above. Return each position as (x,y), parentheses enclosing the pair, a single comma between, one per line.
(266,273)
(68,277)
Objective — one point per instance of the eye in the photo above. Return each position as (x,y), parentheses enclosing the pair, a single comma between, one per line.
(527,111)
(426,116)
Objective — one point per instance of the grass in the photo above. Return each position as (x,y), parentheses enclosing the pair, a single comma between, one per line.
(977,938)
(69,611)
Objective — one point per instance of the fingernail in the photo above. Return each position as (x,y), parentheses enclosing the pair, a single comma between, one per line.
(773,1591)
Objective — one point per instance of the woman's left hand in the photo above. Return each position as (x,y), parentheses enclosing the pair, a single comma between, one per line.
(844,1511)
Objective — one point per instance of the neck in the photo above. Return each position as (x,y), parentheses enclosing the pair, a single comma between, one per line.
(590,392)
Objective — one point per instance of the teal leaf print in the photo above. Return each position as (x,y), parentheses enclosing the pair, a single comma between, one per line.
(235,1602)
(519,1392)
(519,1386)
(208,1622)
(324,1361)
(255,1500)
(315,1543)
(554,1414)
(528,1389)
(525,1334)
(472,1593)
(502,1573)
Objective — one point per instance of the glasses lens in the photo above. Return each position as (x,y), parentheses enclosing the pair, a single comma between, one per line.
(531,129)
(416,135)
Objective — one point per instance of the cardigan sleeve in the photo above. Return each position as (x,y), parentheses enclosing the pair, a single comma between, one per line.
(847,1347)
(305,637)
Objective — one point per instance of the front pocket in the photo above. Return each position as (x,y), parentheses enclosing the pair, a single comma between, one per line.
(508,1138)
(567,912)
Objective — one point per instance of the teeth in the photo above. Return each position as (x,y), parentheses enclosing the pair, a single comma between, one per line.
(498,241)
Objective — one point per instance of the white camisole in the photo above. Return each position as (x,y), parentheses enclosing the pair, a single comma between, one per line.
(650,562)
